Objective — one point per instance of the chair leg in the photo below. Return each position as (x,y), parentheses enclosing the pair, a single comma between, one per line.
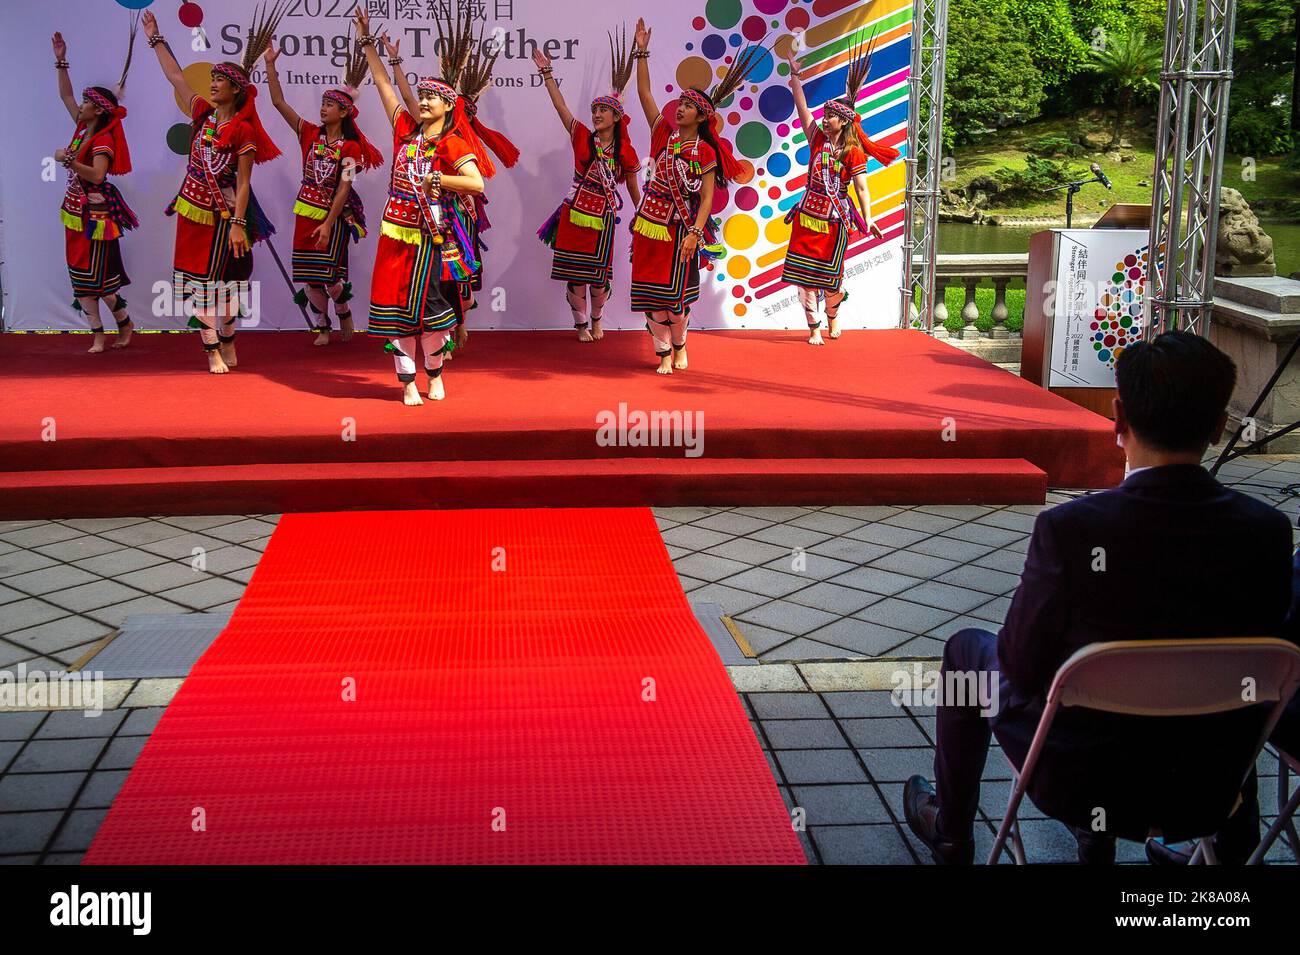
(1285,812)
(1010,826)
(1283,784)
(1204,854)
(1017,846)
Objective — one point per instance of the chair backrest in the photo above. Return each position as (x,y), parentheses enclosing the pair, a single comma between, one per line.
(1178,677)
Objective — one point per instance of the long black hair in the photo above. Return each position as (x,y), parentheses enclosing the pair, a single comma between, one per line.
(706,134)
(620,174)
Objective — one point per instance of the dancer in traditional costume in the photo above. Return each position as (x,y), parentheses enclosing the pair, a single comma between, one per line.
(470,62)
(424,247)
(581,230)
(474,79)
(673,228)
(328,211)
(218,219)
(94,214)
(823,218)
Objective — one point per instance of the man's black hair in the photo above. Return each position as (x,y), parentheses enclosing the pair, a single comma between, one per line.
(1174,390)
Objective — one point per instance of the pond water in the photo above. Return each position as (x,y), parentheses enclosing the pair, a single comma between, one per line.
(955,237)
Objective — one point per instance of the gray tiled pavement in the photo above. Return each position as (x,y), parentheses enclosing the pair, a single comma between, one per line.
(823,583)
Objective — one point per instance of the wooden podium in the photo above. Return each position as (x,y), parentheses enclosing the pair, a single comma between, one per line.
(1036,348)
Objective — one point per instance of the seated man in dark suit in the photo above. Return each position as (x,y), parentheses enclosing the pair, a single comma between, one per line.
(1168,553)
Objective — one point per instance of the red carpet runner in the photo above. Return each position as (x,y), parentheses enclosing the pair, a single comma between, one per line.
(500,663)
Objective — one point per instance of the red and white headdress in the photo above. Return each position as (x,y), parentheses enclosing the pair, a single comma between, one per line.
(346,99)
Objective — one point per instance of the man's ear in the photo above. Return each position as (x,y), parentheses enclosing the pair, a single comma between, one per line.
(1121,422)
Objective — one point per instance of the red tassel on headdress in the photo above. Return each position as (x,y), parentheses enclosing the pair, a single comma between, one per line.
(731,167)
(246,124)
(501,147)
(120,164)
(371,157)
(463,127)
(877,151)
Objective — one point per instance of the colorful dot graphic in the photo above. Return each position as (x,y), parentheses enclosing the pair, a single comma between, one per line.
(1117,320)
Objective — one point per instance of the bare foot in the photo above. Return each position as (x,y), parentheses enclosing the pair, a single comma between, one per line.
(596,331)
(411,394)
(436,390)
(679,359)
(228,354)
(215,363)
(98,345)
(124,335)
(816,337)
(835,327)
(322,338)
(345,323)
(665,365)
(584,334)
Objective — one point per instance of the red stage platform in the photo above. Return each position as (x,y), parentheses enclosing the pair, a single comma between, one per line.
(875,417)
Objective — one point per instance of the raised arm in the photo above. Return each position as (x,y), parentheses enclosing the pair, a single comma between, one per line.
(166,59)
(648,104)
(387,94)
(399,75)
(65,82)
(557,98)
(800,102)
(277,92)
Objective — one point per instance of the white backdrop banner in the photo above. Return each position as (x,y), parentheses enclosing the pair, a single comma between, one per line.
(692,41)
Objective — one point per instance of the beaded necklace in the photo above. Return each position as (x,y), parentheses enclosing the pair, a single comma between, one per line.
(676,144)
(325,151)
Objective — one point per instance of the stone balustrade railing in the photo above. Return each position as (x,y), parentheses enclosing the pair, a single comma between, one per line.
(973,270)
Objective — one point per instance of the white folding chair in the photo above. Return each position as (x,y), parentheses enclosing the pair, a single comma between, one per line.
(1160,678)
(1286,807)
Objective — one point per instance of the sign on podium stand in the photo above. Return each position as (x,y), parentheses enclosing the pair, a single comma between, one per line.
(1084,304)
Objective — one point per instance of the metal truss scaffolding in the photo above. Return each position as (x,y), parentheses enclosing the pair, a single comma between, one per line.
(924,161)
(1191,126)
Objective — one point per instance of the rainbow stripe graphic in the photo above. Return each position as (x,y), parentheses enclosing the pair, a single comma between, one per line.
(772,148)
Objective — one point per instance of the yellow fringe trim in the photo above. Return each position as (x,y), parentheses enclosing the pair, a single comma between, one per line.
(813,225)
(589,222)
(301,208)
(103,228)
(402,233)
(652,230)
(192,212)
(361,230)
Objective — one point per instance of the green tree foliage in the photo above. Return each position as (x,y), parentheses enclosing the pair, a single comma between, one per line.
(1264,55)
(991,79)
(1129,62)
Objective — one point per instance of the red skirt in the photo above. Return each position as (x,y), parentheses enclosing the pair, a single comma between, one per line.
(583,255)
(94,266)
(661,280)
(313,266)
(203,256)
(815,260)
(405,290)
